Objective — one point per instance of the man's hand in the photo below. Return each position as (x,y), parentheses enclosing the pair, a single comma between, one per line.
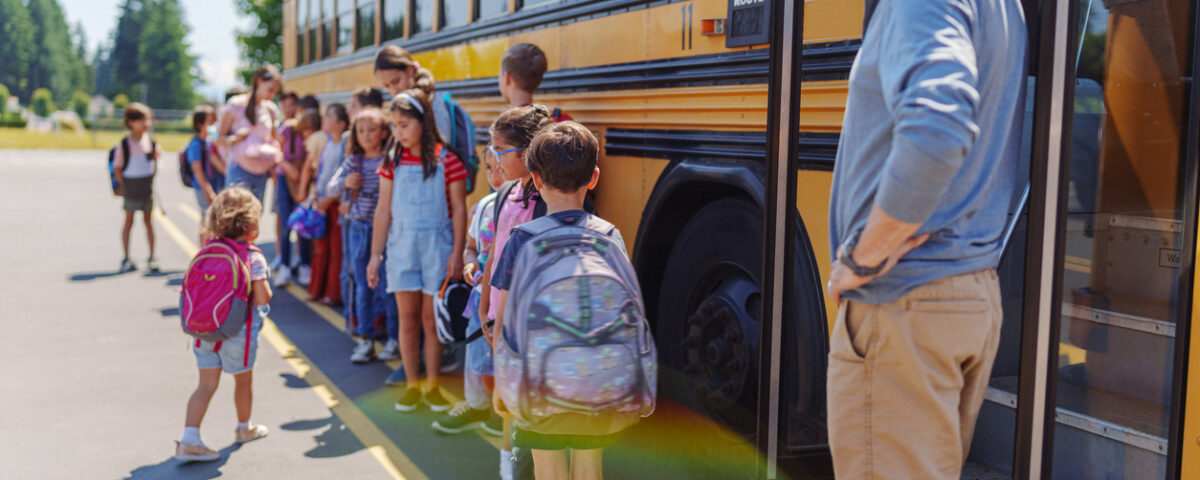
(842,279)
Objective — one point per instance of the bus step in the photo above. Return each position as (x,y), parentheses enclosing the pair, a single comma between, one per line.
(1122,320)
(977,471)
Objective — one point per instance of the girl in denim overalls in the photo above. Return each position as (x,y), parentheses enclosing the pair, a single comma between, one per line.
(422,218)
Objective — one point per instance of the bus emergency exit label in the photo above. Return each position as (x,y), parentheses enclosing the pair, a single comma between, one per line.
(1169,258)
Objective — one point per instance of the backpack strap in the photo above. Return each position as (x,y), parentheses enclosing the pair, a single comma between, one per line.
(153,155)
(450,104)
(540,225)
(556,115)
(125,154)
(502,196)
(597,224)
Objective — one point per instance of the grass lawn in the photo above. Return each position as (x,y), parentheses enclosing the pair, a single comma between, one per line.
(19,138)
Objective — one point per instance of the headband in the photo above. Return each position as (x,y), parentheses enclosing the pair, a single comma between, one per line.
(373,113)
(412,101)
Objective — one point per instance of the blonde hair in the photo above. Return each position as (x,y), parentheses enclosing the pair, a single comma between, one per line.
(234,213)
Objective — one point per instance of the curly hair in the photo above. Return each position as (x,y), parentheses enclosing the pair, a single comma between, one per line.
(234,213)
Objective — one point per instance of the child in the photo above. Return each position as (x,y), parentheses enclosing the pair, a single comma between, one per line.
(370,134)
(206,181)
(289,106)
(288,192)
(422,218)
(234,215)
(134,169)
(327,251)
(476,411)
(365,97)
(562,163)
(521,70)
(361,98)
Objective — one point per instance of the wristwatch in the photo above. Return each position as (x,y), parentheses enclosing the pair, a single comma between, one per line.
(844,256)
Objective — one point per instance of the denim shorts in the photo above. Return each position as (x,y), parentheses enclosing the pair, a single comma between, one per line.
(416,258)
(237,353)
(257,184)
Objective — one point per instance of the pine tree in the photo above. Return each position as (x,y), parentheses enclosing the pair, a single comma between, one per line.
(83,76)
(125,64)
(51,66)
(166,66)
(16,53)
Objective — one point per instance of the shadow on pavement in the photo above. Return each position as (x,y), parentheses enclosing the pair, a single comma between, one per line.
(293,381)
(169,311)
(89,276)
(164,273)
(172,468)
(335,441)
(300,425)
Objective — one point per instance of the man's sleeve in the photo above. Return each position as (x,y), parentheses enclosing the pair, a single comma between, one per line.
(929,78)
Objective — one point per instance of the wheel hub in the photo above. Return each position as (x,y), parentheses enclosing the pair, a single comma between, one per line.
(716,346)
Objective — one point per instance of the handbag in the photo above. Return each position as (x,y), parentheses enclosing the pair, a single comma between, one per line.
(306,220)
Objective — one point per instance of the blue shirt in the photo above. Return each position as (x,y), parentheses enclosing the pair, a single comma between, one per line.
(197,152)
(932,134)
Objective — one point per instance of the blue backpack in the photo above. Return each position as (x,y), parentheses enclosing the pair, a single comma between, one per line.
(458,133)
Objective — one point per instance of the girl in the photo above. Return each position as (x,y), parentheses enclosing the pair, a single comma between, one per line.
(363,180)
(422,217)
(327,251)
(233,216)
(248,131)
(397,72)
(288,190)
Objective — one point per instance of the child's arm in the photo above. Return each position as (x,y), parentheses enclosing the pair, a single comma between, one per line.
(262,291)
(458,211)
(485,299)
(216,161)
(382,223)
(499,318)
(471,260)
(306,177)
(202,181)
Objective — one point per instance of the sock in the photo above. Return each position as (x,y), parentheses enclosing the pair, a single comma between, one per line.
(506,465)
(243,425)
(191,436)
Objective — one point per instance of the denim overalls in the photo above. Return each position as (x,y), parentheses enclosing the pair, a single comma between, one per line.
(421,236)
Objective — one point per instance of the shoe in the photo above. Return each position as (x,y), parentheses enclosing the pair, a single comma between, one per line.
(304,274)
(276,262)
(460,419)
(284,277)
(436,401)
(494,425)
(152,265)
(451,363)
(398,377)
(252,433)
(391,350)
(364,352)
(410,400)
(127,265)
(195,453)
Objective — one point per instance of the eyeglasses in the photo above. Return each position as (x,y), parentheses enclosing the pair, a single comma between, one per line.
(492,148)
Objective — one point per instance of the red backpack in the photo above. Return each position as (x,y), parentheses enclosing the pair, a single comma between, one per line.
(216,299)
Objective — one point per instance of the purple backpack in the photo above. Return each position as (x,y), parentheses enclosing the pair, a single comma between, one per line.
(215,301)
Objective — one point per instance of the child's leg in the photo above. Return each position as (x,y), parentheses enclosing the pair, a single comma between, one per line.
(125,230)
(243,394)
(585,464)
(408,310)
(433,347)
(550,465)
(198,403)
(364,296)
(146,217)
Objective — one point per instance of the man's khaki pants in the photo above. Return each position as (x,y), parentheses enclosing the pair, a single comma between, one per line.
(907,378)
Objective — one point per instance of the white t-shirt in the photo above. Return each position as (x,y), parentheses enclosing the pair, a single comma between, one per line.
(140,165)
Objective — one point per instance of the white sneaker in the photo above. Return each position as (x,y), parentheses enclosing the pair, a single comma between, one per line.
(276,262)
(304,275)
(363,352)
(284,277)
(391,350)
(506,465)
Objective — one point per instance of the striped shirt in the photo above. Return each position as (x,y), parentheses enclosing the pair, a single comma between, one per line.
(363,201)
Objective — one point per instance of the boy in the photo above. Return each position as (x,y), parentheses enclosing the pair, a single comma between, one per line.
(562,160)
(134,170)
(289,105)
(206,180)
(521,70)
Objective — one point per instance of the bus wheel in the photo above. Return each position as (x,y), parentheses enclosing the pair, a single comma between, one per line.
(709,314)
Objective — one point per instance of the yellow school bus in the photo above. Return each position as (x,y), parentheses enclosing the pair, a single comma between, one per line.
(1090,381)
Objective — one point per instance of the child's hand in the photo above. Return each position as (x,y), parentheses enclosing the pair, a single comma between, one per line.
(469,273)
(344,209)
(354,181)
(373,272)
(454,267)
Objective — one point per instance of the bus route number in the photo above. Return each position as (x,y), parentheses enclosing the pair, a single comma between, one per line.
(749,23)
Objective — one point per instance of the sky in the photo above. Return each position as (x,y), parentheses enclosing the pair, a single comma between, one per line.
(211,39)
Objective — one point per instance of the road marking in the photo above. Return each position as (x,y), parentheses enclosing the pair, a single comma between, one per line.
(190,212)
(389,456)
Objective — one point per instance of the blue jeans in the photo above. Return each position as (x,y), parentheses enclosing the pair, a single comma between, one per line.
(370,302)
(479,359)
(284,204)
(257,184)
(347,275)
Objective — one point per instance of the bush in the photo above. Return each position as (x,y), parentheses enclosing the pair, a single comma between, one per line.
(81,103)
(119,103)
(42,103)
(3,99)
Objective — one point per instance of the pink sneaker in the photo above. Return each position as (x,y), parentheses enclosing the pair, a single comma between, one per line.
(251,434)
(195,453)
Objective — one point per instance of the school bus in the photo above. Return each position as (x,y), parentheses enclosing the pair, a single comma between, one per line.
(720,122)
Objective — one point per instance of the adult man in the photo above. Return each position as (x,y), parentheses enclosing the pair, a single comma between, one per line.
(925,173)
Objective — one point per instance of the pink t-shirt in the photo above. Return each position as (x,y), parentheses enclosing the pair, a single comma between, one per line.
(512,215)
(257,153)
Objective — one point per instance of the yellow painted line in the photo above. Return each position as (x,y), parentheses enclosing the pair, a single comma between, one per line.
(1078,260)
(389,456)
(1078,268)
(190,212)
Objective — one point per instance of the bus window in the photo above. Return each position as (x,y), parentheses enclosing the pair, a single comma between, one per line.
(422,16)
(345,27)
(302,12)
(393,19)
(326,27)
(534,3)
(454,13)
(490,8)
(366,25)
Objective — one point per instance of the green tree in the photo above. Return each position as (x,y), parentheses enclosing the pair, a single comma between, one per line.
(42,103)
(167,69)
(102,71)
(263,42)
(125,64)
(119,103)
(16,45)
(52,65)
(83,76)
(81,103)
(4,94)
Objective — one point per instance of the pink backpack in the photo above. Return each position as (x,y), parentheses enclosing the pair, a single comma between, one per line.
(215,301)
